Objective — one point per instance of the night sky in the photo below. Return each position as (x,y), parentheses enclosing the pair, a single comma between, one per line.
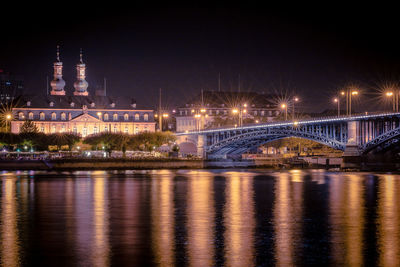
(311,50)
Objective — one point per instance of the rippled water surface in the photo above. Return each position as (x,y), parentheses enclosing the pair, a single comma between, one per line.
(199,218)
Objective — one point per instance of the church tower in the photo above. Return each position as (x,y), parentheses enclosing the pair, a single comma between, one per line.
(57,84)
(81,84)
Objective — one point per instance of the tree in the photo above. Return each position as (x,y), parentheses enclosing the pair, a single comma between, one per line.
(28,127)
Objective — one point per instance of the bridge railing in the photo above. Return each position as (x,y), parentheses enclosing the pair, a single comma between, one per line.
(299,121)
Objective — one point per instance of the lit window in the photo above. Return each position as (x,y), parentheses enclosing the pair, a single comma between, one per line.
(42,129)
(146,117)
(115,129)
(106,116)
(53,116)
(95,130)
(75,130)
(72,104)
(105,128)
(126,116)
(115,117)
(21,116)
(63,116)
(62,128)
(137,117)
(126,129)
(85,131)
(41,115)
(30,115)
(136,130)
(51,104)
(53,129)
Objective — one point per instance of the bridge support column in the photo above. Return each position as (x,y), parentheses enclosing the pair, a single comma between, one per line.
(201,143)
(352,155)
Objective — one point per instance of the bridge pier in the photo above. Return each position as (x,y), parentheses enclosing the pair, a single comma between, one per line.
(352,155)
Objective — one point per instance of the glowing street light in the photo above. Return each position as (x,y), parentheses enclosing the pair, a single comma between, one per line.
(337,100)
(284,106)
(390,94)
(295,99)
(165,115)
(8,118)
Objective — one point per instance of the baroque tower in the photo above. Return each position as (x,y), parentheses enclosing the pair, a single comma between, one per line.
(57,84)
(81,84)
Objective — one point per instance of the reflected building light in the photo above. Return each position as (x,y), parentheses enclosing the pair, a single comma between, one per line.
(9,248)
(100,249)
(162,209)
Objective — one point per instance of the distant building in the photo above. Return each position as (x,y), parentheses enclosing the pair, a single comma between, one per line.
(214,108)
(80,112)
(11,86)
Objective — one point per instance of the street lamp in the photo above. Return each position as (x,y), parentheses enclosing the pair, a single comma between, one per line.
(390,94)
(353,93)
(8,118)
(337,100)
(295,99)
(284,106)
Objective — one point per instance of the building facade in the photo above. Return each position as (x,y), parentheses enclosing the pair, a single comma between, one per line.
(214,108)
(80,112)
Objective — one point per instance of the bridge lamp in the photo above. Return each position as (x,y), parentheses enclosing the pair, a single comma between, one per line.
(245,105)
(165,115)
(234,111)
(295,123)
(354,93)
(235,125)
(257,121)
(284,106)
(390,94)
(8,118)
(203,110)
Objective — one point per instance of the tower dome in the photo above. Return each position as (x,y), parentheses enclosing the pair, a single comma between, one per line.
(81,84)
(57,84)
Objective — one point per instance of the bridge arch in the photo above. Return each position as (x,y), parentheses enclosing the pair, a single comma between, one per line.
(246,141)
(384,141)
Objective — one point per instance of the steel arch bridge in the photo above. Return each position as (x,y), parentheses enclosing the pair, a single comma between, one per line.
(364,132)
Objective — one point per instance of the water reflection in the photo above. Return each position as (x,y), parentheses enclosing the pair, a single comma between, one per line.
(162,209)
(100,249)
(389,221)
(287,217)
(347,219)
(9,231)
(199,218)
(239,219)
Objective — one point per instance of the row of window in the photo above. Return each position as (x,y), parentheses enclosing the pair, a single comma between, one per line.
(225,112)
(63,116)
(85,130)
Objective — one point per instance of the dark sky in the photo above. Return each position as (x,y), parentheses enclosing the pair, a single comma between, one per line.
(312,50)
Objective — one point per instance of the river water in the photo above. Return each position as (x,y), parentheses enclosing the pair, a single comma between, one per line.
(199,218)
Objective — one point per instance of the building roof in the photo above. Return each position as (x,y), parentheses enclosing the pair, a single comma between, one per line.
(220,99)
(64,102)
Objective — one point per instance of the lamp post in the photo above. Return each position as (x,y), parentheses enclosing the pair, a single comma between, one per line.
(390,94)
(284,106)
(337,100)
(295,99)
(8,118)
(352,93)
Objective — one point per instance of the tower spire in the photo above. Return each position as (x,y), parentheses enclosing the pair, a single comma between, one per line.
(58,53)
(80,56)
(81,84)
(57,84)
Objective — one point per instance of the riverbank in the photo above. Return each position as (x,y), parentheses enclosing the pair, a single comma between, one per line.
(167,163)
(142,164)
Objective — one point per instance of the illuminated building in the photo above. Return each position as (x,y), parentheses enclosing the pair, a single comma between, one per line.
(80,112)
(219,104)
